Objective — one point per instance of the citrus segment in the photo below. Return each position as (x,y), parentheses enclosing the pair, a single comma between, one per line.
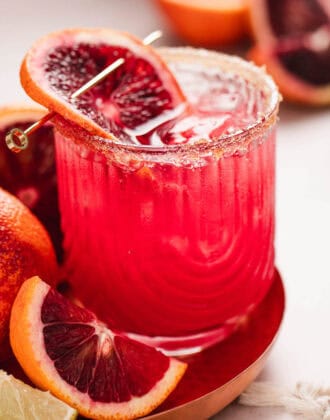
(293,40)
(21,401)
(132,100)
(31,174)
(25,250)
(65,349)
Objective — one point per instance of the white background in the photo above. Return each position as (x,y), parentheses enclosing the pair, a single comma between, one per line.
(302,352)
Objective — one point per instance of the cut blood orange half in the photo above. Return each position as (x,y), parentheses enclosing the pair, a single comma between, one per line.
(65,349)
(131,101)
(293,40)
(208,23)
(31,174)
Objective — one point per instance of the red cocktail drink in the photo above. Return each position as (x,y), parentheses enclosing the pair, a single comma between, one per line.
(170,237)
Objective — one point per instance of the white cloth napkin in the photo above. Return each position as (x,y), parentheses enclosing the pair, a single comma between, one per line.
(307,401)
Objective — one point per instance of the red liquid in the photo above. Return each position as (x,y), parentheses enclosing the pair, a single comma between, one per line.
(174,243)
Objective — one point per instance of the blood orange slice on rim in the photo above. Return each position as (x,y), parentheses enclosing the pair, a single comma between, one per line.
(65,349)
(132,100)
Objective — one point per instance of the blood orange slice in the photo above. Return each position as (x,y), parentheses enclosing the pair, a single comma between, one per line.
(31,174)
(65,349)
(293,40)
(134,99)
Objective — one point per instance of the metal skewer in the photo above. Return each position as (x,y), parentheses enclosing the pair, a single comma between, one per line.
(18,140)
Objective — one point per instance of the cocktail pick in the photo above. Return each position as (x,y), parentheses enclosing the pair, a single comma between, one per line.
(18,140)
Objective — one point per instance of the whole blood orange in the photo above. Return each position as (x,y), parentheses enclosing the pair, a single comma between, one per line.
(293,40)
(25,250)
(139,95)
(208,23)
(65,349)
(31,174)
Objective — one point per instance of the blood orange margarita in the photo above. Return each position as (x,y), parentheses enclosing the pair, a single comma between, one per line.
(169,234)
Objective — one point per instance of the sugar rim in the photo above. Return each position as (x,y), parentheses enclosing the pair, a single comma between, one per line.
(253,73)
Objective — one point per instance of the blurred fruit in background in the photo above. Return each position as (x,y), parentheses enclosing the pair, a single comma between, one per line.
(31,174)
(292,38)
(208,23)
(293,41)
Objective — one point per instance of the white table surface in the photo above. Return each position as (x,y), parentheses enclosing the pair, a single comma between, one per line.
(303,186)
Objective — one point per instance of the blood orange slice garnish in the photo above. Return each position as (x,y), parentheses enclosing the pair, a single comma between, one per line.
(132,100)
(293,40)
(65,349)
(31,174)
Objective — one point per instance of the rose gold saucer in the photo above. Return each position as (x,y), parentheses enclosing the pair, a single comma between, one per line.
(216,376)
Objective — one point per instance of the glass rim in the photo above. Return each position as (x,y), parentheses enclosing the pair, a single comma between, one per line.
(258,74)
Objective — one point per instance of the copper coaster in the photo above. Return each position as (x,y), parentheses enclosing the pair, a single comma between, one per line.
(216,376)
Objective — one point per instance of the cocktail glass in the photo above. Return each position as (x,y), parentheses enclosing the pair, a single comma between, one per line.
(173,245)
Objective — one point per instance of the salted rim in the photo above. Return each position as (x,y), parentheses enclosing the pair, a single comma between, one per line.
(229,63)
